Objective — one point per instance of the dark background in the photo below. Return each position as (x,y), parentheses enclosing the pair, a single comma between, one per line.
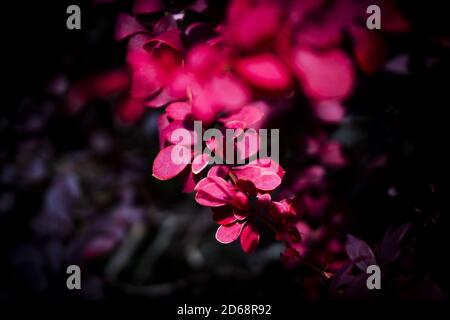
(37,46)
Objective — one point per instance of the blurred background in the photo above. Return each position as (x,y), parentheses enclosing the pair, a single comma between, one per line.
(76,185)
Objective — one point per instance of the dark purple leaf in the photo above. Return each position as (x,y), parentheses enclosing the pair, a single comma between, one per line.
(359,252)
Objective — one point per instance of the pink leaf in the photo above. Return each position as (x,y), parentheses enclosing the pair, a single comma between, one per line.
(327,75)
(250,114)
(228,233)
(188,182)
(219,171)
(177,133)
(213,195)
(249,26)
(330,111)
(228,93)
(247,172)
(160,100)
(178,110)
(320,36)
(162,124)
(235,124)
(203,104)
(170,162)
(215,180)
(202,60)
(137,56)
(268,181)
(268,164)
(331,154)
(264,71)
(145,81)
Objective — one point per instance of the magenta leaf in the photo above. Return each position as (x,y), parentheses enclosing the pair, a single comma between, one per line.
(249,238)
(159,100)
(213,195)
(223,215)
(170,38)
(178,110)
(176,133)
(200,162)
(329,111)
(147,6)
(267,181)
(229,233)
(264,71)
(170,162)
(250,114)
(145,81)
(327,75)
(126,26)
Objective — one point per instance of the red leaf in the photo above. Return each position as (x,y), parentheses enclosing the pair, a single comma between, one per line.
(130,110)
(369,48)
(249,238)
(188,181)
